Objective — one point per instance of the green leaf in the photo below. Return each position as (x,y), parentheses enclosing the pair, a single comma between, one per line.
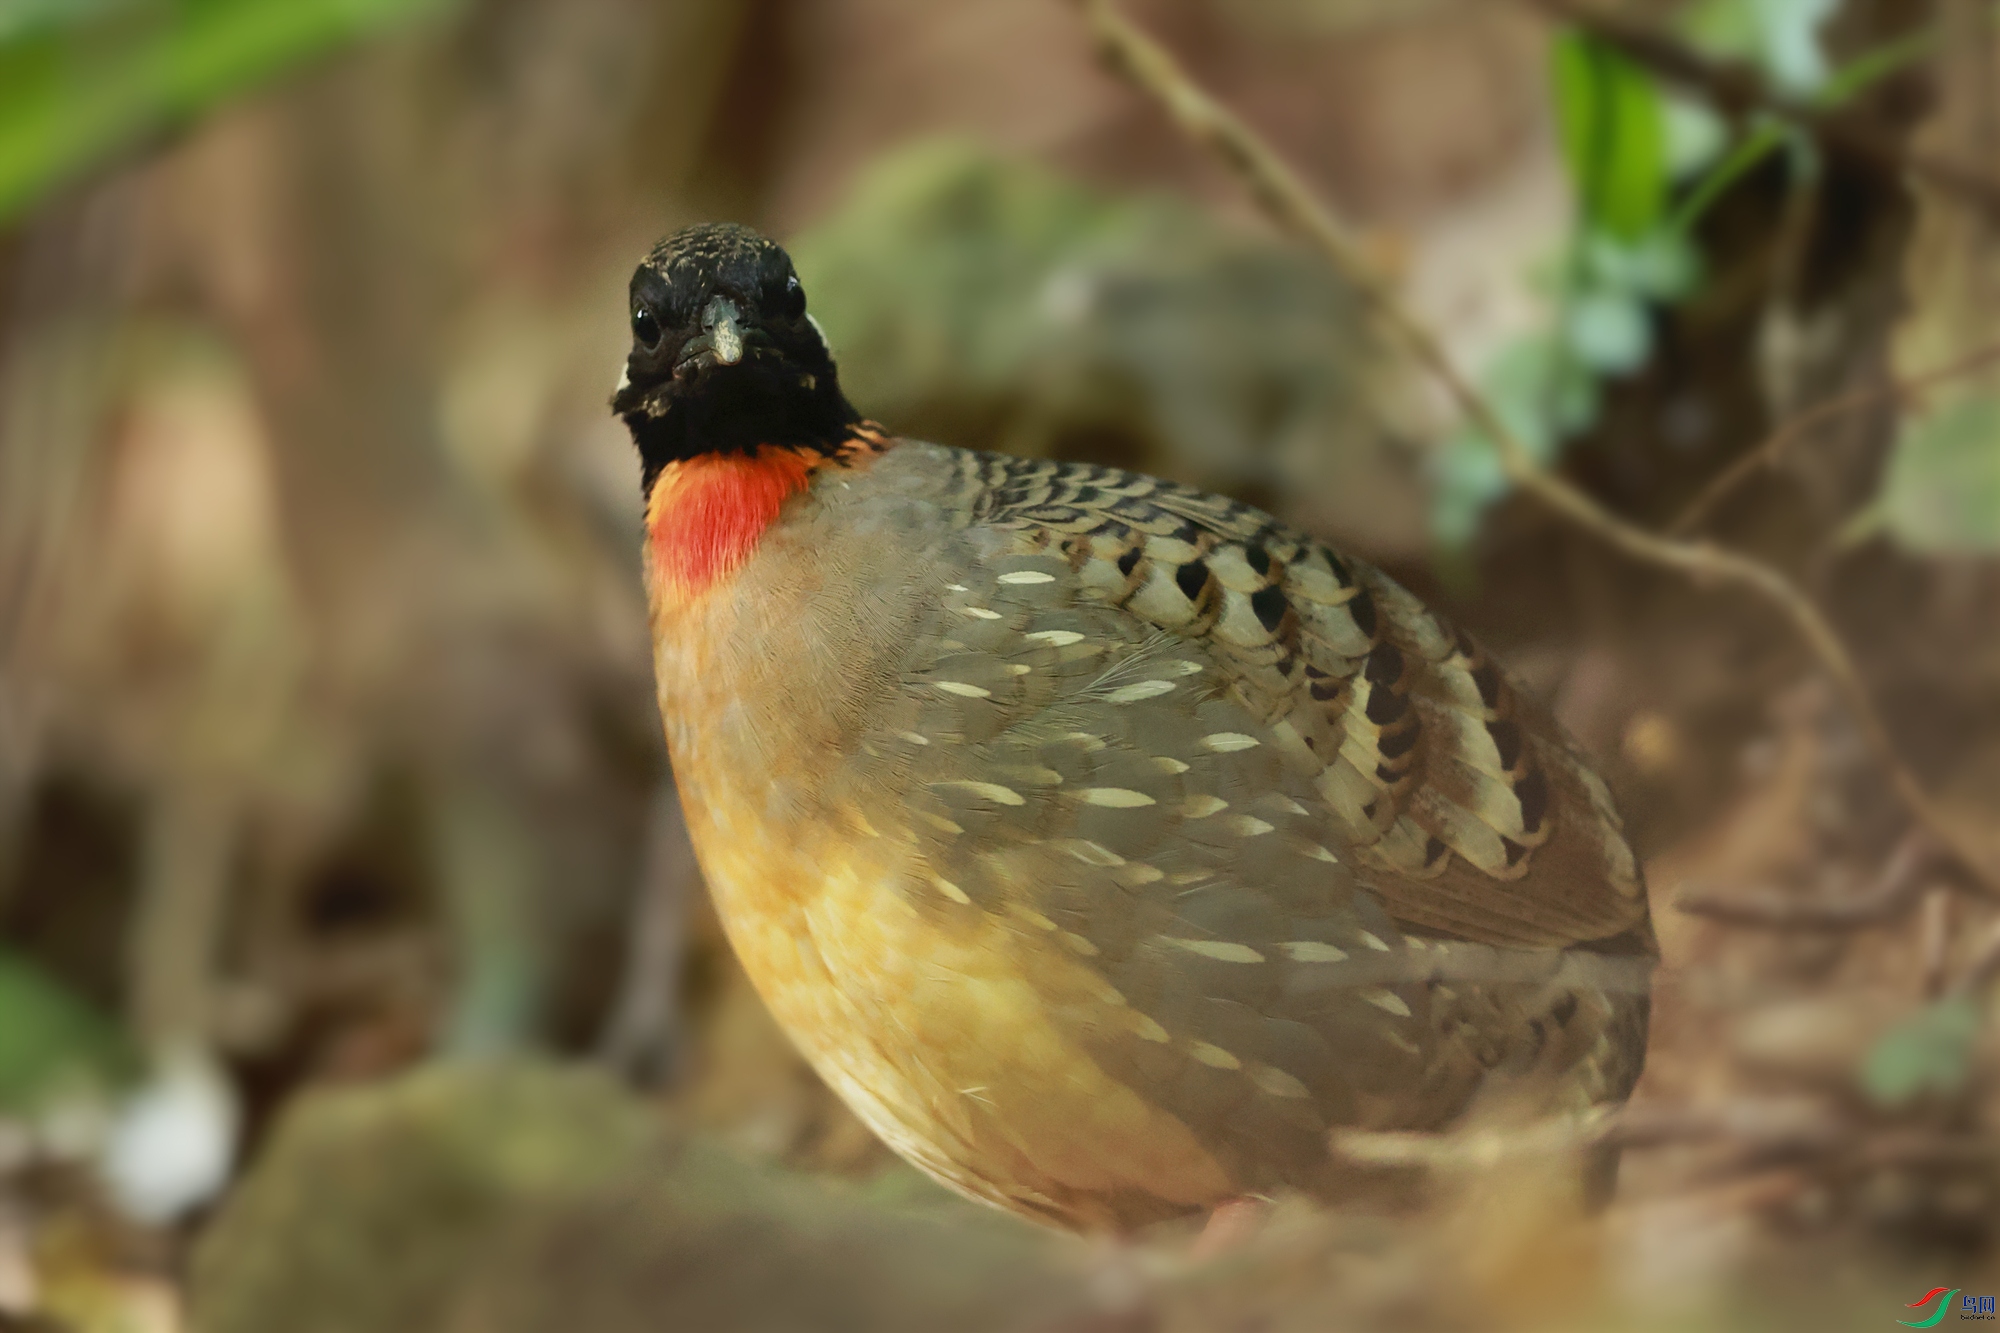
(1613,129)
(1929,1052)
(1942,492)
(79,81)
(50,1040)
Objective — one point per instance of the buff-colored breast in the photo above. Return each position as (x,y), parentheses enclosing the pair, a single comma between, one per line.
(947,1037)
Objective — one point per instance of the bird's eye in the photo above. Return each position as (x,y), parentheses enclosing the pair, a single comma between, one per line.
(795,298)
(645,328)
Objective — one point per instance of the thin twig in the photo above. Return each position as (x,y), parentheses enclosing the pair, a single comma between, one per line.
(1279,190)
(1773,447)
(1902,877)
(1737,91)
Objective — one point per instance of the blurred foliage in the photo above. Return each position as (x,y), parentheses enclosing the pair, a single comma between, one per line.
(1930,1052)
(52,1043)
(82,78)
(1765,135)
(1942,490)
(1623,146)
(1781,37)
(1645,167)
(990,303)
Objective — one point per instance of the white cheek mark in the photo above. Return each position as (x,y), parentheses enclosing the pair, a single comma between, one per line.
(821,332)
(624,377)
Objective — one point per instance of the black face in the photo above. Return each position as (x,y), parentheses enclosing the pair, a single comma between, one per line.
(723,356)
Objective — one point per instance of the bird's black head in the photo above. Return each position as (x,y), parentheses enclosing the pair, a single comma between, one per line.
(724,356)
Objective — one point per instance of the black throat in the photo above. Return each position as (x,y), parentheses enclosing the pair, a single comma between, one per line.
(735,409)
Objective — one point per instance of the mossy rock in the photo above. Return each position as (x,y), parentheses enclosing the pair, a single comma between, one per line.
(522,1198)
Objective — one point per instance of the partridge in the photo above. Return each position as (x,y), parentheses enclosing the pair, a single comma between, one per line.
(1105,844)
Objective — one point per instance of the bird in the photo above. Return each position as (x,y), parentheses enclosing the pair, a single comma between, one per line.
(1108,846)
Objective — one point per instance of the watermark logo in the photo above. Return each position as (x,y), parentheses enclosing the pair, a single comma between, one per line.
(1930,1320)
(1969,1307)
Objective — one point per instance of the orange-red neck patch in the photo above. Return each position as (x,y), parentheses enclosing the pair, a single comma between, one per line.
(706,513)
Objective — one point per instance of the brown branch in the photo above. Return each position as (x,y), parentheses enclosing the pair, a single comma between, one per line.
(1279,190)
(1894,891)
(1772,449)
(1737,91)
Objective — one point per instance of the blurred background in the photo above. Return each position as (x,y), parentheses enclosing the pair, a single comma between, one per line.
(355,973)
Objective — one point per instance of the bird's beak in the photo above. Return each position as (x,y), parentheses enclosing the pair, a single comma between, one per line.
(724,324)
(721,336)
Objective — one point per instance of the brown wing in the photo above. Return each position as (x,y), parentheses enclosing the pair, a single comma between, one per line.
(1468,812)
(1307,837)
